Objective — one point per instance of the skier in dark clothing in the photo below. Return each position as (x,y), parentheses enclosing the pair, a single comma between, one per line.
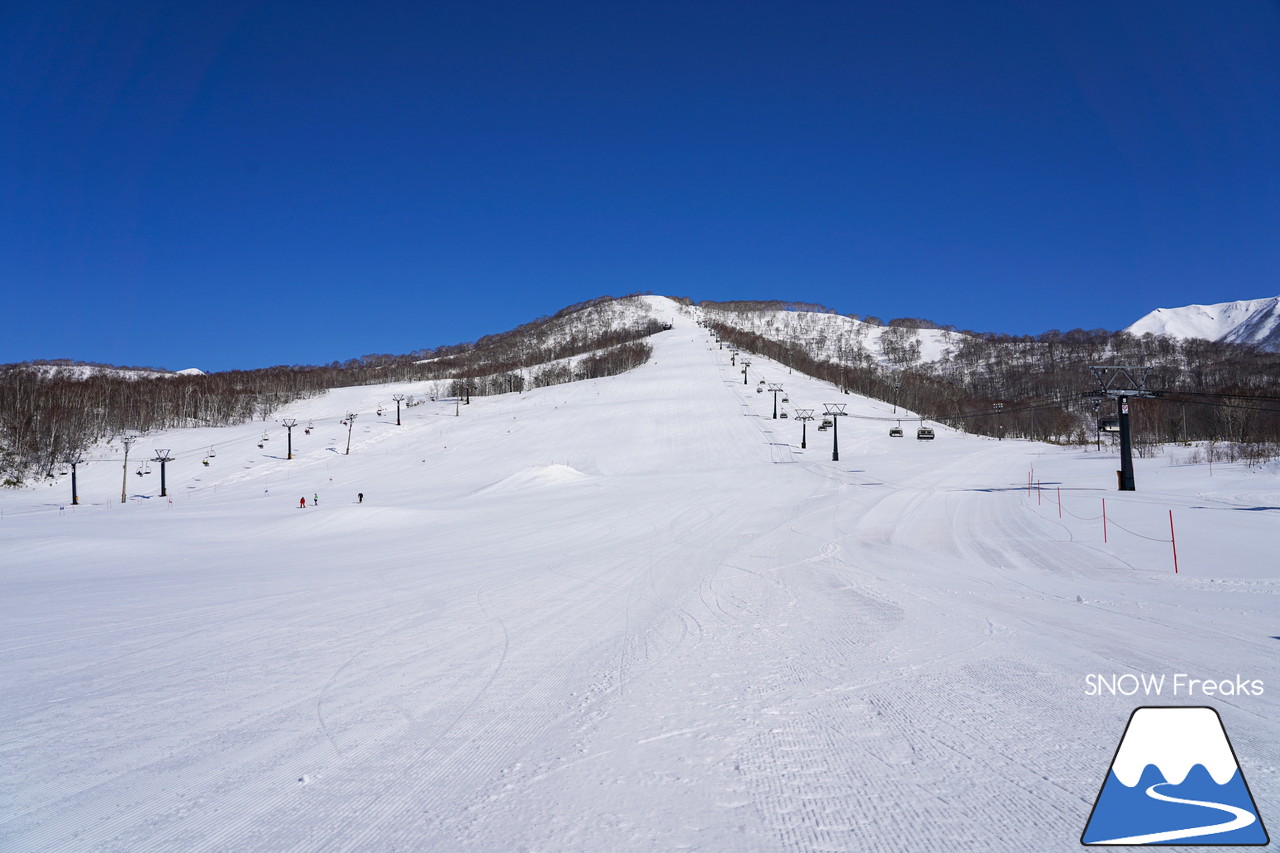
(360,497)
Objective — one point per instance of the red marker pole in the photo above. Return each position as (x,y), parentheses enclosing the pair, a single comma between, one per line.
(1174,539)
(1104,519)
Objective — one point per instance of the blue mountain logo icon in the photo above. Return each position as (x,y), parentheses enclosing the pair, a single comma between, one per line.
(1175,780)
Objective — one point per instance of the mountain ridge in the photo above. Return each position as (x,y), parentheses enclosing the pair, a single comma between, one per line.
(1251,322)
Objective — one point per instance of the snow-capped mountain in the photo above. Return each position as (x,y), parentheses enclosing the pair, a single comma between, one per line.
(1249,321)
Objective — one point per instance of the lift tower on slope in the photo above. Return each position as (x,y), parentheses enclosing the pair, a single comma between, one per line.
(1112,380)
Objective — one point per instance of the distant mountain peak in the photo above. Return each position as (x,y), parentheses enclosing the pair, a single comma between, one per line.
(1254,322)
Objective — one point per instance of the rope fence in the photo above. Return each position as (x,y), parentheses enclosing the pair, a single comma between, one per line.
(1107,523)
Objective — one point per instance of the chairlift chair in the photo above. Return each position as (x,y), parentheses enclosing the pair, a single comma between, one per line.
(212,453)
(826,423)
(895,432)
(924,434)
(265,437)
(783,415)
(759,390)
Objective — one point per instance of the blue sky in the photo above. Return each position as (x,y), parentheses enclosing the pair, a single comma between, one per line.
(242,184)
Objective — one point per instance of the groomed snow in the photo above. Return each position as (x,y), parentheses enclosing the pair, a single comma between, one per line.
(628,614)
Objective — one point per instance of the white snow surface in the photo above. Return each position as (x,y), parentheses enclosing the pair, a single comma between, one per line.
(1248,321)
(1174,740)
(835,337)
(628,614)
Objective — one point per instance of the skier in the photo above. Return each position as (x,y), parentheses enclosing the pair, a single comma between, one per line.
(315,499)
(302,503)
(360,497)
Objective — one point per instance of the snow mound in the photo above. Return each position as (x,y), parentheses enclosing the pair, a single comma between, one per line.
(541,476)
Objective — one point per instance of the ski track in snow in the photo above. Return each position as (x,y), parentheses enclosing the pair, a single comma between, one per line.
(626,614)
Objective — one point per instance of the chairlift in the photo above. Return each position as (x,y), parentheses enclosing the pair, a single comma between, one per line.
(827,423)
(266,437)
(310,425)
(259,444)
(822,428)
(924,434)
(783,415)
(895,432)
(786,399)
(759,390)
(1109,424)
(212,453)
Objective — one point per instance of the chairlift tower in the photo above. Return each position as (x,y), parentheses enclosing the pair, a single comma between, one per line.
(398,398)
(835,410)
(162,456)
(351,421)
(1136,379)
(775,388)
(999,407)
(804,416)
(746,362)
(289,424)
(74,460)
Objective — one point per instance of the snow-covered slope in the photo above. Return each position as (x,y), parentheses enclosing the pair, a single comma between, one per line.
(1250,321)
(834,337)
(626,614)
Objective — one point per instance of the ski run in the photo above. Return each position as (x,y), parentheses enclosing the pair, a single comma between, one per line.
(624,614)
